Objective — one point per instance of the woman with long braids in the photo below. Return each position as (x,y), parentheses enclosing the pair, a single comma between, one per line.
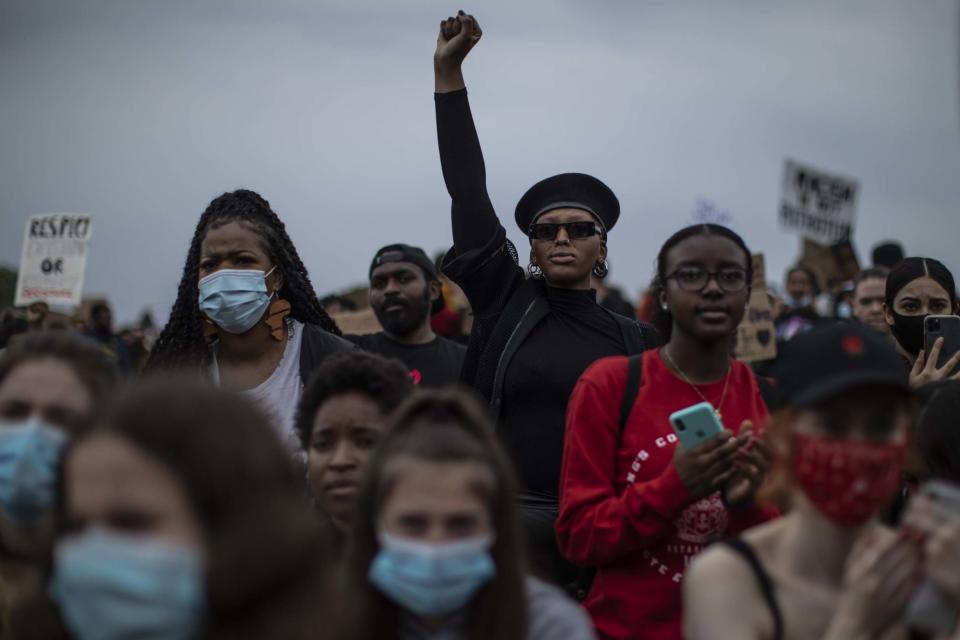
(532,337)
(634,502)
(246,311)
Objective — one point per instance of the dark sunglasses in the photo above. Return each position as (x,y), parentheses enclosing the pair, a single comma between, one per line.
(549,230)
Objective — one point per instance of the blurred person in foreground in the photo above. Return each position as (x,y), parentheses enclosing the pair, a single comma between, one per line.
(436,552)
(405,291)
(246,313)
(182,517)
(828,569)
(52,384)
(342,416)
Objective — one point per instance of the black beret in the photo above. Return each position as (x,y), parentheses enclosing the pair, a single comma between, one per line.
(568,190)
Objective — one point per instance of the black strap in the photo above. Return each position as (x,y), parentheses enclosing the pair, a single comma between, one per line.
(767,588)
(634,374)
(768,392)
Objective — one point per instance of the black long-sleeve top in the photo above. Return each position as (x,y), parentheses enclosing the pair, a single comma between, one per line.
(576,332)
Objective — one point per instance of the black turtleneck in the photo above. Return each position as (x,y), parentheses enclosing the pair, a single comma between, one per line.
(541,377)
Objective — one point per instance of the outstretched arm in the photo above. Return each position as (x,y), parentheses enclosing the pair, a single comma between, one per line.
(474,220)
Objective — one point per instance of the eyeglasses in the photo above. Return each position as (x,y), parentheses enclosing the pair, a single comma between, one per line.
(575,230)
(730,279)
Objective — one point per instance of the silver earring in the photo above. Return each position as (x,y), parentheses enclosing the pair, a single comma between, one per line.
(601,269)
(533,269)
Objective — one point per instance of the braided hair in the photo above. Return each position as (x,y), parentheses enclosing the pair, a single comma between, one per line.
(181,343)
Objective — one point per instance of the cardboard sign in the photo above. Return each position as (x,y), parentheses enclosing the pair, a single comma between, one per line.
(818,205)
(756,336)
(54,259)
(357,322)
(758,265)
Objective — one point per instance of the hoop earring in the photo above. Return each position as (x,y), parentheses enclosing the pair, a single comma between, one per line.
(534,270)
(276,314)
(601,268)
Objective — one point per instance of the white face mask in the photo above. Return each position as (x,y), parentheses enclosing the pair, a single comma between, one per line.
(235,299)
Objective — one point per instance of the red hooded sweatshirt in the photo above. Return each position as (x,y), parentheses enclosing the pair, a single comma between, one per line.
(623,507)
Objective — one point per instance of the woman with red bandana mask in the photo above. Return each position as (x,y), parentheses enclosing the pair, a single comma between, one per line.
(917,288)
(828,570)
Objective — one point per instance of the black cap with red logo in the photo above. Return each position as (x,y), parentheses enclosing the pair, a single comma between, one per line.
(818,365)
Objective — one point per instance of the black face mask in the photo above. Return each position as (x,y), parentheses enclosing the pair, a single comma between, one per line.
(908,330)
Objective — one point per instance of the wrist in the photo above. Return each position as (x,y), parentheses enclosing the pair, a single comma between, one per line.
(447,79)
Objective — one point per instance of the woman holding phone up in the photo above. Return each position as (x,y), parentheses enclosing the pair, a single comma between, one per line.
(532,337)
(917,288)
(633,502)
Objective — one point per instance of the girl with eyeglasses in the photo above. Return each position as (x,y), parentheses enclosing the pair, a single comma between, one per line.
(634,503)
(534,336)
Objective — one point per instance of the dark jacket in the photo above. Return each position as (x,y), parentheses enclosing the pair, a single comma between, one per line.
(317,345)
(506,308)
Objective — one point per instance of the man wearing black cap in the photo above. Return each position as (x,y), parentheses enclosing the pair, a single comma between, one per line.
(404,290)
(533,334)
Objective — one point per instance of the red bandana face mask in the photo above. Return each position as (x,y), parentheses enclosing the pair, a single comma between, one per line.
(847,481)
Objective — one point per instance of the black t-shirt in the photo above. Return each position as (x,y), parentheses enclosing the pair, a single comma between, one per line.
(434,364)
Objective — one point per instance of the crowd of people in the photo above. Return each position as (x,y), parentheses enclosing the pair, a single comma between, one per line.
(253,472)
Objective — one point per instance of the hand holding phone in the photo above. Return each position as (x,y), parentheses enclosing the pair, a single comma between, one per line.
(941,351)
(704,459)
(933,516)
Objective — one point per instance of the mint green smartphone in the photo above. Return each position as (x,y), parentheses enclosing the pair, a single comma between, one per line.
(695,424)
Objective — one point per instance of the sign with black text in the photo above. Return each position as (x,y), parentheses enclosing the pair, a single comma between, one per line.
(819,205)
(54,259)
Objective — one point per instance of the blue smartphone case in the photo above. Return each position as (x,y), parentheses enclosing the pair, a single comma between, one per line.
(695,424)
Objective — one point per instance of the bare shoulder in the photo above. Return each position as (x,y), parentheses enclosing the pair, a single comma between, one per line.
(712,608)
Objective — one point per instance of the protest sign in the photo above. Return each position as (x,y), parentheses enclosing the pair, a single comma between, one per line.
(818,205)
(357,322)
(54,259)
(756,336)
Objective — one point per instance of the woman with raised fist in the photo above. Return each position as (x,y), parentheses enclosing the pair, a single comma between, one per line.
(533,336)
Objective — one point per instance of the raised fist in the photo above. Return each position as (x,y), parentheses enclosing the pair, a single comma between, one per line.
(458,35)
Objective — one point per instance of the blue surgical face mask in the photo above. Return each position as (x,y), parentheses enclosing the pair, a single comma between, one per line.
(111,586)
(431,579)
(235,299)
(29,455)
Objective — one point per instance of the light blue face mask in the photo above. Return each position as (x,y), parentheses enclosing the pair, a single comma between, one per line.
(235,299)
(431,579)
(30,452)
(111,586)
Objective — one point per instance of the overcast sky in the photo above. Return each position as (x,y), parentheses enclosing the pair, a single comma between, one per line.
(140,112)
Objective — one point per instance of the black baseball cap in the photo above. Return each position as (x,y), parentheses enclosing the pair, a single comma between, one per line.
(404,253)
(568,190)
(823,363)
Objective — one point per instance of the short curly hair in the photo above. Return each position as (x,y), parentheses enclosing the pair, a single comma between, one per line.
(386,382)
